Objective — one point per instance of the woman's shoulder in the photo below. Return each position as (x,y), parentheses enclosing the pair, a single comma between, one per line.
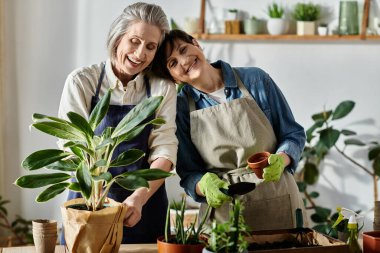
(91,72)
(161,86)
(252,73)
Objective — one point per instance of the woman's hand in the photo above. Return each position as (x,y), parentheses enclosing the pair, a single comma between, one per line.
(134,210)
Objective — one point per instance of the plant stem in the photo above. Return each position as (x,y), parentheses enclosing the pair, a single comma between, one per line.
(313,205)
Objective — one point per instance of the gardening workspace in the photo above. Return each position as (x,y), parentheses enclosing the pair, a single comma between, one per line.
(222,126)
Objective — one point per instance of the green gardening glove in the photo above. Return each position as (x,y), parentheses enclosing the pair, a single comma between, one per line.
(209,186)
(275,168)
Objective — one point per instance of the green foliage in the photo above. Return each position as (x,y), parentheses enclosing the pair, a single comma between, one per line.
(183,235)
(20,228)
(230,236)
(321,137)
(306,12)
(275,10)
(87,156)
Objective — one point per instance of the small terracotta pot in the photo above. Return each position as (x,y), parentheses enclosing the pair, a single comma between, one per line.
(371,241)
(164,247)
(258,162)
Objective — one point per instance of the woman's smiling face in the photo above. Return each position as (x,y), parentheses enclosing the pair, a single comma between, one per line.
(136,49)
(185,61)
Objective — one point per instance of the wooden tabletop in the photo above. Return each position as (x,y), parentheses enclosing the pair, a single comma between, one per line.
(130,248)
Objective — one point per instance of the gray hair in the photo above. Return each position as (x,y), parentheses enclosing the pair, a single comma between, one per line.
(149,13)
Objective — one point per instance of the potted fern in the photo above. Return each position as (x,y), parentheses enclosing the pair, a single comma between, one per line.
(306,14)
(87,158)
(185,239)
(277,24)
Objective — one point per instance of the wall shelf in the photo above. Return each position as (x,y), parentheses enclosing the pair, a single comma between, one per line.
(285,37)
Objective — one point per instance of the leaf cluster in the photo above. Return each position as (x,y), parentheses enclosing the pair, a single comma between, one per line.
(87,156)
(182,234)
(321,137)
(275,10)
(306,12)
(230,236)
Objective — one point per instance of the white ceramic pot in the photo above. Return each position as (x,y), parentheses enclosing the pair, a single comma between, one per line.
(277,26)
(322,30)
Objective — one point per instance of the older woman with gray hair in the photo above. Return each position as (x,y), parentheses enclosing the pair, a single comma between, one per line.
(133,40)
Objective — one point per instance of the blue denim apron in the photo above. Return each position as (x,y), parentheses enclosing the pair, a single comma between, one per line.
(152,223)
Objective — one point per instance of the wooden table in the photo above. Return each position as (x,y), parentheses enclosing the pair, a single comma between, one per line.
(130,248)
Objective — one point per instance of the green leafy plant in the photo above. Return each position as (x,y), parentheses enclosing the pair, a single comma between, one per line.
(306,12)
(275,10)
(183,235)
(20,229)
(87,157)
(230,236)
(322,137)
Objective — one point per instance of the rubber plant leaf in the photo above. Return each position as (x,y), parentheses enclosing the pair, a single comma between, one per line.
(60,130)
(343,109)
(127,157)
(374,152)
(352,141)
(41,180)
(132,182)
(329,137)
(80,123)
(322,116)
(51,192)
(137,115)
(347,132)
(310,131)
(84,179)
(100,110)
(148,174)
(41,158)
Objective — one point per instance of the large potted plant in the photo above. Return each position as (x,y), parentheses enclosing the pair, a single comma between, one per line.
(306,14)
(185,239)
(83,167)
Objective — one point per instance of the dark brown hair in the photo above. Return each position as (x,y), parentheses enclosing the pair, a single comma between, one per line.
(160,60)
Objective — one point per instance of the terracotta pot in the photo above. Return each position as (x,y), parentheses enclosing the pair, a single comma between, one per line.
(258,162)
(164,247)
(371,241)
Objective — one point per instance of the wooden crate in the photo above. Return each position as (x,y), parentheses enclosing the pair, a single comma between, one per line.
(327,244)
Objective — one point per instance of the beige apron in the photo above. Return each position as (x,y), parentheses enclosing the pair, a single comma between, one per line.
(225,136)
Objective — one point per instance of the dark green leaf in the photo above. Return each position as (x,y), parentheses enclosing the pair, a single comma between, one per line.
(322,116)
(148,174)
(321,150)
(84,179)
(301,186)
(310,131)
(100,110)
(81,123)
(105,176)
(316,218)
(78,152)
(314,195)
(323,212)
(311,173)
(376,165)
(352,141)
(38,116)
(343,109)
(137,115)
(137,130)
(63,165)
(373,153)
(329,137)
(60,130)
(132,182)
(347,132)
(51,192)
(127,157)
(322,228)
(100,163)
(41,180)
(41,158)
(74,186)
(105,143)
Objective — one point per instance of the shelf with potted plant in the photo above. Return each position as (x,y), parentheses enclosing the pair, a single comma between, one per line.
(363,37)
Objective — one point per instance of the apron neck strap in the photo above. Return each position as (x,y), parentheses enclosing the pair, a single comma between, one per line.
(241,86)
(100,80)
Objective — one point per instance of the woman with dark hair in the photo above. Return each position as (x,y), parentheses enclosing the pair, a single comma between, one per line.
(133,40)
(224,115)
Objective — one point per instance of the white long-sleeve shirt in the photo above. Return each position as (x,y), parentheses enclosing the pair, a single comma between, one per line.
(80,87)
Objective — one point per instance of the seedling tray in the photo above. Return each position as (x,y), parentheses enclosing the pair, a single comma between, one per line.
(269,241)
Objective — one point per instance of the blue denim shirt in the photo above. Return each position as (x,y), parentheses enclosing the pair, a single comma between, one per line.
(290,135)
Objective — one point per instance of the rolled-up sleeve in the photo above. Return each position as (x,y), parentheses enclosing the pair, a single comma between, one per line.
(163,142)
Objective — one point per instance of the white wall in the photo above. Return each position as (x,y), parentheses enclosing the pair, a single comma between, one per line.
(46,39)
